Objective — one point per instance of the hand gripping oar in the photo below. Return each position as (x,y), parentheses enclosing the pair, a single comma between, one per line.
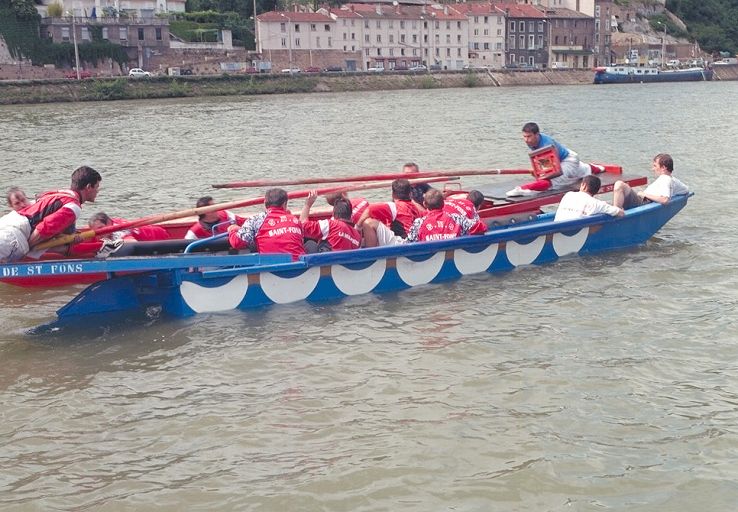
(372,177)
(162,217)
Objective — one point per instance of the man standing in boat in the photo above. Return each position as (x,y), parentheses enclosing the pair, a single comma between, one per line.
(660,191)
(53,213)
(571,170)
(274,231)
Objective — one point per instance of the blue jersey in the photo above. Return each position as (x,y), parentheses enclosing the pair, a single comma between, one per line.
(545,140)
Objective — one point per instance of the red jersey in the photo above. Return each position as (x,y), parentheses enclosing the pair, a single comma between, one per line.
(438,225)
(143,233)
(273,231)
(53,213)
(462,207)
(341,235)
(404,212)
(202,229)
(358,205)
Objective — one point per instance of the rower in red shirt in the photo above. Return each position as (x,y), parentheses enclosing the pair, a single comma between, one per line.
(358,204)
(53,213)
(335,234)
(437,224)
(138,234)
(468,207)
(203,228)
(274,231)
(398,215)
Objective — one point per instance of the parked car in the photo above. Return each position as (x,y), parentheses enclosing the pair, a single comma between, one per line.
(375,69)
(82,74)
(333,69)
(312,69)
(139,73)
(291,70)
(417,67)
(559,65)
(185,71)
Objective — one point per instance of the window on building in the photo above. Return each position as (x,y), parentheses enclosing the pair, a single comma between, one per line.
(402,38)
(448,25)
(438,39)
(313,28)
(499,32)
(521,26)
(476,19)
(85,33)
(284,42)
(540,41)
(402,23)
(65,34)
(327,28)
(476,31)
(283,27)
(512,42)
(531,26)
(512,26)
(353,36)
(297,27)
(475,46)
(379,38)
(512,58)
(344,36)
(448,52)
(105,33)
(575,40)
(317,42)
(521,42)
(531,42)
(392,52)
(521,60)
(366,23)
(402,51)
(540,26)
(486,19)
(458,24)
(458,38)
(123,33)
(140,34)
(297,42)
(158,34)
(499,20)
(391,38)
(366,38)
(379,24)
(498,46)
(448,38)
(415,38)
(330,42)
(379,51)
(486,31)
(366,50)
(531,61)
(486,46)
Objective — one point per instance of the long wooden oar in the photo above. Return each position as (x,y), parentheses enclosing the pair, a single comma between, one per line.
(162,217)
(371,177)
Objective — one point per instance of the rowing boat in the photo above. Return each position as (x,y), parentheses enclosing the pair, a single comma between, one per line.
(497,210)
(186,284)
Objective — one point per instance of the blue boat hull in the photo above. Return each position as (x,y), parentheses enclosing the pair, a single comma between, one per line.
(603,77)
(225,285)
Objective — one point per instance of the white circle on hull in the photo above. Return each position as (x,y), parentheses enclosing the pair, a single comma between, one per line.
(474,262)
(564,244)
(524,254)
(203,299)
(420,272)
(283,290)
(356,282)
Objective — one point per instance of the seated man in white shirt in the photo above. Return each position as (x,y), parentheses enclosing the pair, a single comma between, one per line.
(576,205)
(660,191)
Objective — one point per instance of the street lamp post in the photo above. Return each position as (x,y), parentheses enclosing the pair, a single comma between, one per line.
(76,49)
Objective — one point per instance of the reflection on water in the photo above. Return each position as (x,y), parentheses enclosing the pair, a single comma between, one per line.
(595,383)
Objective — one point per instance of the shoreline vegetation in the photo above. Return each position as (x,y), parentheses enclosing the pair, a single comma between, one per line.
(124,88)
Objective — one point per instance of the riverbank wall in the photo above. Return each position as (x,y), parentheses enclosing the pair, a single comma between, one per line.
(100,89)
(124,88)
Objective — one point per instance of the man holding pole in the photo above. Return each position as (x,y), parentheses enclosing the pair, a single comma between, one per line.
(52,213)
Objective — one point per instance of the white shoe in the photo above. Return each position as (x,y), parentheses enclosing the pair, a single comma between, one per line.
(108,247)
(517,191)
(526,192)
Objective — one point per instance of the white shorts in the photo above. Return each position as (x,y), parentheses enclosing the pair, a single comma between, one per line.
(15,230)
(573,170)
(385,236)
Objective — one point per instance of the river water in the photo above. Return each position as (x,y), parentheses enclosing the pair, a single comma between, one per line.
(601,383)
